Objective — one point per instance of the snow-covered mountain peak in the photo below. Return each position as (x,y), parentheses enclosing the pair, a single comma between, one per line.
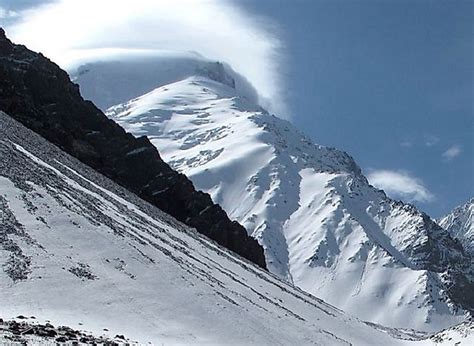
(323,227)
(208,105)
(121,78)
(460,223)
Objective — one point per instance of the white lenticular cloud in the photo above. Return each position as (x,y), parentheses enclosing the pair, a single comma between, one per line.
(68,30)
(452,152)
(400,184)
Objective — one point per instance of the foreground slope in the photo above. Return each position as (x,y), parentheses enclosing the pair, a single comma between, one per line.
(322,225)
(78,249)
(460,223)
(40,95)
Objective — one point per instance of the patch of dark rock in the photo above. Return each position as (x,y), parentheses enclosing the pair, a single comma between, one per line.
(83,272)
(17,266)
(20,332)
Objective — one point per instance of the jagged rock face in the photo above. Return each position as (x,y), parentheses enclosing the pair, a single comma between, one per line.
(460,223)
(36,92)
(322,225)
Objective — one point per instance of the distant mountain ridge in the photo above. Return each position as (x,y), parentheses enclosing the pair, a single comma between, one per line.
(460,223)
(36,92)
(322,225)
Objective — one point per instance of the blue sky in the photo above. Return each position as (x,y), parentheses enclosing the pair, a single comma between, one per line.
(390,82)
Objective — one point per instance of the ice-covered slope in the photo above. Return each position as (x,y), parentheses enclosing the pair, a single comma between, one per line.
(79,250)
(322,225)
(460,223)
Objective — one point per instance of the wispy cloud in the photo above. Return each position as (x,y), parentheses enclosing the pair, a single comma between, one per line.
(406,144)
(452,152)
(217,29)
(431,140)
(5,14)
(400,184)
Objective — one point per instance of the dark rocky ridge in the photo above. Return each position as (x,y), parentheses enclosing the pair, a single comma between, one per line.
(40,95)
(28,332)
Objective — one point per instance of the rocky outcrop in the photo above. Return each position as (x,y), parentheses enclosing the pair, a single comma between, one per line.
(36,92)
(26,331)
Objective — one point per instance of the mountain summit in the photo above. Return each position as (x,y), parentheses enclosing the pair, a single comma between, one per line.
(460,223)
(121,78)
(323,227)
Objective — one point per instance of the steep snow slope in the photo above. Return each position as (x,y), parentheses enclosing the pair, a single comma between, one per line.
(78,249)
(460,223)
(322,225)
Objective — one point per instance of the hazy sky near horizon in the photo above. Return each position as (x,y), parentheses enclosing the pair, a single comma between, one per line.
(390,82)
